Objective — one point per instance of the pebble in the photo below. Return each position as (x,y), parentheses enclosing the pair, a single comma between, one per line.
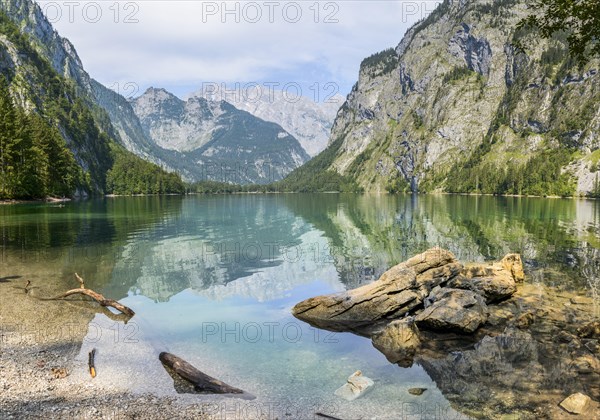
(417,391)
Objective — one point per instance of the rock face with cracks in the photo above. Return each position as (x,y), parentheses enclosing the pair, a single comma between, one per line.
(494,282)
(453,310)
(397,292)
(407,288)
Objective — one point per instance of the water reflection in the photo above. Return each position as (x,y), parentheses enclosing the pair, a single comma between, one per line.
(161,246)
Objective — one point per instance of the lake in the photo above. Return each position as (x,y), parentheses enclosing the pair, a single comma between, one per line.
(213,279)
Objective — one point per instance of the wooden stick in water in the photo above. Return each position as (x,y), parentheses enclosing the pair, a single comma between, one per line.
(91,363)
(94,295)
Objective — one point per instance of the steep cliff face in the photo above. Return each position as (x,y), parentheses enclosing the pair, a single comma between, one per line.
(456,100)
(213,140)
(59,51)
(128,126)
(176,124)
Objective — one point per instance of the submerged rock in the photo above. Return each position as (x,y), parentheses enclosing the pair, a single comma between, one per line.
(525,320)
(417,391)
(581,300)
(587,364)
(453,309)
(398,341)
(356,386)
(514,264)
(576,403)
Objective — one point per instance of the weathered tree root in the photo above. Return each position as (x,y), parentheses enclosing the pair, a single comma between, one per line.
(102,301)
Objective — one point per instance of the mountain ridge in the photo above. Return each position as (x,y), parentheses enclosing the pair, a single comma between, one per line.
(218,141)
(308,120)
(121,122)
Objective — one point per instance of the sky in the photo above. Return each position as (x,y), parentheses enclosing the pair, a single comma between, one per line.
(313,48)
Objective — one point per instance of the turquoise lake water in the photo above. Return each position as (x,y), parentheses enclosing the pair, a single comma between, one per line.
(213,278)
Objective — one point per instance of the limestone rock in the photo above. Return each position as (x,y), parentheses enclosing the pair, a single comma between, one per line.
(494,282)
(454,310)
(576,403)
(476,52)
(398,341)
(398,291)
(356,386)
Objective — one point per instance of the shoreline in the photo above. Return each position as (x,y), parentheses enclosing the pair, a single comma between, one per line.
(51,200)
(42,345)
(46,200)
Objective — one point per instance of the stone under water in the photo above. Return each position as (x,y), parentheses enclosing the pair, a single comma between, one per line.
(356,386)
(398,341)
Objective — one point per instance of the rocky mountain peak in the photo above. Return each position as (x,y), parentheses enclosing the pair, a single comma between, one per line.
(305,118)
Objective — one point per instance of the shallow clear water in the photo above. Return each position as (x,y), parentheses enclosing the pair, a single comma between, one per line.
(213,278)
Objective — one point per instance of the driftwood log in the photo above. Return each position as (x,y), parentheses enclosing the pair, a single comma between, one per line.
(202,382)
(94,295)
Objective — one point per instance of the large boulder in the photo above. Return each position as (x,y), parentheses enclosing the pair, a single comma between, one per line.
(398,291)
(398,341)
(494,286)
(449,309)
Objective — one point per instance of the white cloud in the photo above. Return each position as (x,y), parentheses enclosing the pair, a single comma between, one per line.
(178,45)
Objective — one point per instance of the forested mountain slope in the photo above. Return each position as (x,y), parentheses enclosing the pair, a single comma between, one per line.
(54,140)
